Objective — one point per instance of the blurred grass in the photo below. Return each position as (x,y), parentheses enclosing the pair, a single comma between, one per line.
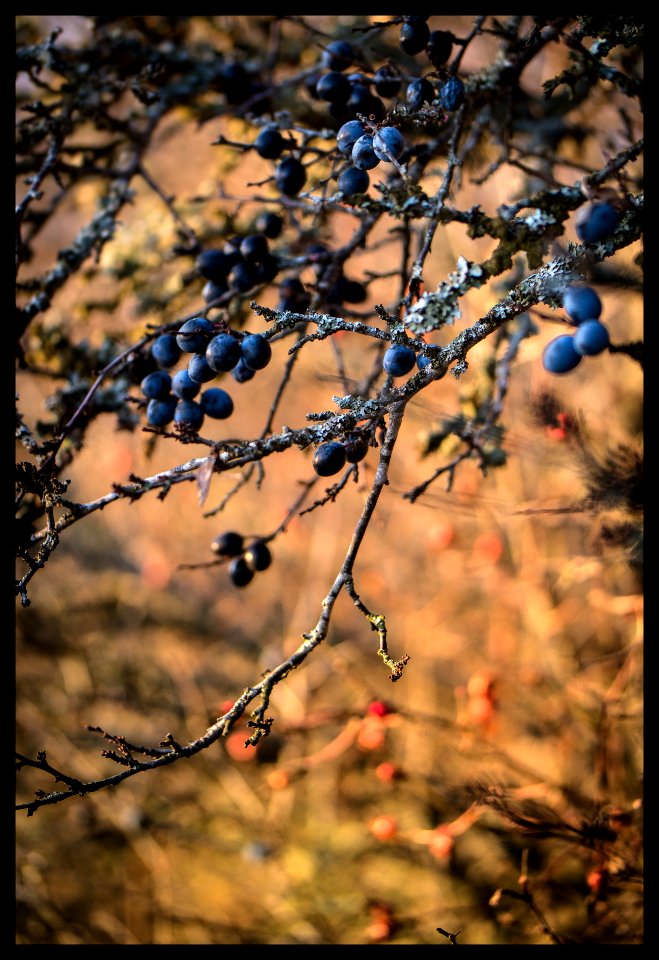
(274,845)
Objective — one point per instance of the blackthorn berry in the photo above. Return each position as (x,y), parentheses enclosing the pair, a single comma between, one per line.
(388,142)
(338,55)
(452,94)
(267,269)
(356,447)
(216,403)
(269,144)
(213,291)
(398,360)
(348,135)
(596,221)
(214,265)
(161,412)
(414,36)
(258,556)
(591,338)
(560,355)
(293,296)
(156,386)
(193,335)
(334,87)
(239,573)
(418,92)
(198,369)
(363,155)
(270,224)
(254,247)
(362,101)
(189,413)
(422,361)
(581,303)
(387,81)
(353,181)
(228,544)
(165,350)
(243,277)
(256,351)
(223,353)
(290,175)
(329,458)
(439,47)
(241,373)
(183,386)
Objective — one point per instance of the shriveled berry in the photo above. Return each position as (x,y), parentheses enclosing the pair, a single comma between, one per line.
(329,458)
(452,94)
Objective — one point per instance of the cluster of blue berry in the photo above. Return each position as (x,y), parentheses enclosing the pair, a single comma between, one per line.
(242,263)
(591,337)
(172,397)
(331,457)
(244,561)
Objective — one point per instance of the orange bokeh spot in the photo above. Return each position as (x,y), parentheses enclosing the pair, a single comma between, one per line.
(371,734)
(235,747)
(278,779)
(386,772)
(441,844)
(383,827)
(439,536)
(488,547)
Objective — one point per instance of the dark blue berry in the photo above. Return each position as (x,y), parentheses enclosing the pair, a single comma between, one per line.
(356,447)
(591,338)
(440,44)
(596,222)
(235,83)
(258,556)
(414,36)
(560,355)
(198,369)
(362,101)
(452,94)
(581,303)
(228,544)
(193,335)
(293,296)
(223,353)
(165,350)
(329,458)
(348,135)
(398,360)
(213,291)
(183,386)
(216,403)
(254,247)
(387,81)
(363,155)
(267,269)
(161,412)
(241,373)
(256,351)
(334,87)
(419,92)
(214,265)
(269,224)
(388,142)
(189,413)
(239,573)
(338,55)
(290,175)
(422,361)
(269,144)
(243,277)
(353,181)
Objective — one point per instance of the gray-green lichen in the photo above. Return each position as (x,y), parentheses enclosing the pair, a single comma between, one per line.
(435,310)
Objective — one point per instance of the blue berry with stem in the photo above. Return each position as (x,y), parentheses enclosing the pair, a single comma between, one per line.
(243,276)
(348,135)
(452,94)
(161,412)
(157,385)
(353,181)
(193,335)
(188,413)
(387,81)
(228,544)
(213,291)
(183,386)
(591,338)
(269,144)
(419,92)
(596,222)
(388,143)
(581,303)
(363,154)
(165,350)
(290,175)
(269,224)
(223,353)
(258,556)
(560,355)
(398,360)
(214,265)
(254,247)
(338,55)
(329,458)
(334,87)
(414,35)
(256,351)
(216,403)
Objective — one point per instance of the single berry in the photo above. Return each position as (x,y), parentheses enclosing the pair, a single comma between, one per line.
(241,373)
(338,55)
(228,544)
(596,221)
(352,291)
(363,155)
(353,181)
(560,355)
(165,350)
(290,175)
(198,369)
(422,361)
(256,351)
(311,82)
(156,386)
(398,360)
(414,36)
(269,144)
(183,386)
(362,101)
(452,94)
(334,87)
(239,573)
(213,291)
(189,413)
(161,412)
(440,44)
(214,265)
(258,556)
(235,83)
(581,303)
(193,336)
(216,403)
(223,353)
(243,277)
(387,81)
(267,269)
(388,142)
(348,135)
(269,224)
(329,458)
(591,338)
(419,92)
(254,247)
(293,296)
(356,447)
